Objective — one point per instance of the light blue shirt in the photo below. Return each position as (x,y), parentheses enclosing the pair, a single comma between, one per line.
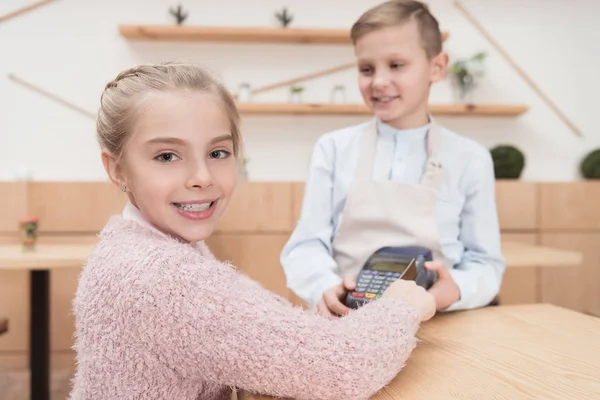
(466,211)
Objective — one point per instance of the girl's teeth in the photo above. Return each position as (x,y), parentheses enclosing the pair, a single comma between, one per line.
(194,207)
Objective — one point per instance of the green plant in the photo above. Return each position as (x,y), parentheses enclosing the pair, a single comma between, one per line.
(465,71)
(590,165)
(179,14)
(284,17)
(509,162)
(296,89)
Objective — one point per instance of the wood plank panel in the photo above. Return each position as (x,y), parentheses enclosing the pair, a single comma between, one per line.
(259,207)
(18,361)
(13,205)
(519,285)
(566,287)
(297,198)
(516,202)
(570,206)
(74,206)
(14,305)
(14,299)
(255,255)
(63,285)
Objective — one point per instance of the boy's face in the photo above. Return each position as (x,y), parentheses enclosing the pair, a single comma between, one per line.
(178,165)
(395,74)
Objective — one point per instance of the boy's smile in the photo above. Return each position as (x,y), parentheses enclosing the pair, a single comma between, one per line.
(395,74)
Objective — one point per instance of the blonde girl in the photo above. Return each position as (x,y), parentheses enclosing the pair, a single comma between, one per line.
(158,317)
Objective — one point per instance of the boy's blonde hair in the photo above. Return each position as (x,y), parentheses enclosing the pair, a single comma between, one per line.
(119,103)
(397,12)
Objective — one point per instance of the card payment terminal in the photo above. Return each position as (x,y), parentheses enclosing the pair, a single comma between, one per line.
(387,265)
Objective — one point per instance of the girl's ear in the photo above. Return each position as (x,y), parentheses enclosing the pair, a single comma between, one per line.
(113,169)
(439,66)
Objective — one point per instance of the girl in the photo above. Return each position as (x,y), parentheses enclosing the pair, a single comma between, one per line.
(158,317)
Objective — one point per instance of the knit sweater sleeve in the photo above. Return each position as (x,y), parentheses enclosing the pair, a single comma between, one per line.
(211,323)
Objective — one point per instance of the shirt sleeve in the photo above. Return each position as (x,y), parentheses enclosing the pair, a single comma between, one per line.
(307,256)
(480,271)
(211,323)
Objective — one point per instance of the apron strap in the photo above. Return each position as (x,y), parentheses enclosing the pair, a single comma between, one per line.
(366,153)
(364,168)
(433,170)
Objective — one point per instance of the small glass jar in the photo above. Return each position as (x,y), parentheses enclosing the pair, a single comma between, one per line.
(29,232)
(338,94)
(244,93)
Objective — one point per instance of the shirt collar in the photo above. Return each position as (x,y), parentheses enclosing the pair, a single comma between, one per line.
(405,135)
(132,213)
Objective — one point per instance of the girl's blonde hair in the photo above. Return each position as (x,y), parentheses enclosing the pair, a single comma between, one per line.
(119,102)
(397,12)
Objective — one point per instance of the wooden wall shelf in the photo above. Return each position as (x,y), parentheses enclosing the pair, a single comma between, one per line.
(237,34)
(359,109)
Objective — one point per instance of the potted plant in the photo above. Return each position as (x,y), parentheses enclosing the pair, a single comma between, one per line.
(179,14)
(590,165)
(296,94)
(509,162)
(464,74)
(284,17)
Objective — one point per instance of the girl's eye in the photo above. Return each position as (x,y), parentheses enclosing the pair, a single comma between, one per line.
(397,65)
(219,154)
(167,157)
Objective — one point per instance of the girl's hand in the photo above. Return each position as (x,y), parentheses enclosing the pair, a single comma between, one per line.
(445,291)
(416,296)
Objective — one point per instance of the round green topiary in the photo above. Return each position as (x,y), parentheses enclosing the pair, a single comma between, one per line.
(508,162)
(590,165)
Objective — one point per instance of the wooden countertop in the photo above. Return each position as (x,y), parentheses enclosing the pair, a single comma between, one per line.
(508,352)
(44,256)
(48,256)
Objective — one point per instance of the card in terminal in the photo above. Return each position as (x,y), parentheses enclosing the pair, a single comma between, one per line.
(387,265)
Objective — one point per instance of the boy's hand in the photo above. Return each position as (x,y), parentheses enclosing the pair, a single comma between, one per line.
(330,304)
(445,290)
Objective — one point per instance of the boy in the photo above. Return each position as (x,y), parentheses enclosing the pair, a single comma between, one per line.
(397,180)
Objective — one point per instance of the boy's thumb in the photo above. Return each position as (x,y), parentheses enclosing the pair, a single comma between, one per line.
(350,282)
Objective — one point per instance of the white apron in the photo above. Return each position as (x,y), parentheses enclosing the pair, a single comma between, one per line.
(388,213)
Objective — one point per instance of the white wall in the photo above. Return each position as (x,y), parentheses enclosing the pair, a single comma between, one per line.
(72,47)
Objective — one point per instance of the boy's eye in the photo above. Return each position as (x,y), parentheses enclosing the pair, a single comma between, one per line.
(167,157)
(365,70)
(397,65)
(219,154)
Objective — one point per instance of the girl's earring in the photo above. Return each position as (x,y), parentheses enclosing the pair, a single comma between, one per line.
(124,189)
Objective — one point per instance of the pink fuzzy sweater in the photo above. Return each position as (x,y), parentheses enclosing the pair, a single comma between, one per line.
(161,319)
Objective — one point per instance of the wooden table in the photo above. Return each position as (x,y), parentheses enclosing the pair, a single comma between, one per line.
(528,255)
(508,352)
(39,262)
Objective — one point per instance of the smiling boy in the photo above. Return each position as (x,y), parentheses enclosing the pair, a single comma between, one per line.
(397,180)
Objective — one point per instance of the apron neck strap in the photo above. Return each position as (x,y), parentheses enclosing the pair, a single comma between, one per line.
(366,158)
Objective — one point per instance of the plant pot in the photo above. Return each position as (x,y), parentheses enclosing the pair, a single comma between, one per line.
(244,94)
(463,88)
(338,95)
(295,97)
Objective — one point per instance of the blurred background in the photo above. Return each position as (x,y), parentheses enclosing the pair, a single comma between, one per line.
(534,105)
